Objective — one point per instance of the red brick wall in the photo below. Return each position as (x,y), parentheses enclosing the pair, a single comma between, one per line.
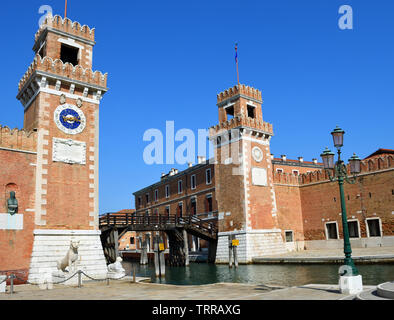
(18,139)
(371,197)
(16,245)
(289,208)
(125,240)
(68,186)
(261,208)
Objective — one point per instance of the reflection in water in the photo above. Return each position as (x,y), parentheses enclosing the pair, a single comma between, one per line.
(283,275)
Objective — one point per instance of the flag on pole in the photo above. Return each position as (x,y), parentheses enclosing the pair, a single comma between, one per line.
(236,52)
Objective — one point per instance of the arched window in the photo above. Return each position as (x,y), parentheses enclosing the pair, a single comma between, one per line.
(380,164)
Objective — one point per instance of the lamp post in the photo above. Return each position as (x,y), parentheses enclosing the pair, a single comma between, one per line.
(341,175)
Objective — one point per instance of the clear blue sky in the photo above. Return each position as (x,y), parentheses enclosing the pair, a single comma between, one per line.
(167,60)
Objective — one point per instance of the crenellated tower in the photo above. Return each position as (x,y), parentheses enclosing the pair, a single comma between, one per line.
(244,181)
(61,95)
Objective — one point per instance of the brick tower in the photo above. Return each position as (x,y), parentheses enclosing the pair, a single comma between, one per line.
(61,96)
(244,183)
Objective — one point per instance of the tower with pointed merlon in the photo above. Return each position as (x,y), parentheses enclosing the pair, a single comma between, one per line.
(61,96)
(244,180)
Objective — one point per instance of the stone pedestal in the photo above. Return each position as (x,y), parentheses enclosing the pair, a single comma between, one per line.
(115,275)
(50,246)
(253,243)
(3,284)
(351,284)
(9,222)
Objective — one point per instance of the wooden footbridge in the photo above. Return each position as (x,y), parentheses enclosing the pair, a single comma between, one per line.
(114,225)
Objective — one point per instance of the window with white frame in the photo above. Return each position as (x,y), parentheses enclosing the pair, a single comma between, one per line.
(180,187)
(296,172)
(279,170)
(374,229)
(208,205)
(332,230)
(289,236)
(156,195)
(167,210)
(208,176)
(167,191)
(353,228)
(193,181)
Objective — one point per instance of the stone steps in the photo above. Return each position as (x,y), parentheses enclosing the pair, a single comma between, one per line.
(384,291)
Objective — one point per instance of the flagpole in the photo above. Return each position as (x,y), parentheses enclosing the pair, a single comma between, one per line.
(65,10)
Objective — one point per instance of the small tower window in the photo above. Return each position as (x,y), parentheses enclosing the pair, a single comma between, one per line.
(251,112)
(43,50)
(230,112)
(69,54)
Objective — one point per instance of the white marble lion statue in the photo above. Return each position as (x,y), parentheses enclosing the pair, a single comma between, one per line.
(70,260)
(117,267)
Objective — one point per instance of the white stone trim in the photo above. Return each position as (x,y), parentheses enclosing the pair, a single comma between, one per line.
(45,232)
(71,42)
(59,93)
(39,186)
(380,227)
(257,231)
(18,150)
(358,228)
(69,151)
(191,182)
(326,231)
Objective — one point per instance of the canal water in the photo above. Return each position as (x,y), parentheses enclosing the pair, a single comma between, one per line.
(282,275)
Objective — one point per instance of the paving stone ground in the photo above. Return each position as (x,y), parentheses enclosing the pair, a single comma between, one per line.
(126,290)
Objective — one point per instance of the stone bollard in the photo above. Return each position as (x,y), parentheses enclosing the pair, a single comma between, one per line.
(45,281)
(160,269)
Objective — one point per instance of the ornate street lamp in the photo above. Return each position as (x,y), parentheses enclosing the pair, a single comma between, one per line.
(340,174)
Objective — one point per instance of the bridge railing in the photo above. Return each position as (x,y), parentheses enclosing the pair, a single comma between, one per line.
(130,219)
